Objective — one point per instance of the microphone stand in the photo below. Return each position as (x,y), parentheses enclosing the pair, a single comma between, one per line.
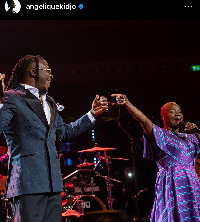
(132,144)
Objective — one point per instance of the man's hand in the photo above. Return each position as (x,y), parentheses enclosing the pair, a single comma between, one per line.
(99,105)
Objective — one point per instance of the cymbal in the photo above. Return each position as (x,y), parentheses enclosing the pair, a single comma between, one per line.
(3,149)
(87,150)
(70,213)
(85,164)
(97,149)
(114,158)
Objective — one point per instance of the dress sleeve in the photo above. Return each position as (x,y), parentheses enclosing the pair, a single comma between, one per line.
(150,147)
(193,139)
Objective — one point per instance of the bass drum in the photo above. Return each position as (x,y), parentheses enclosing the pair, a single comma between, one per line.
(90,203)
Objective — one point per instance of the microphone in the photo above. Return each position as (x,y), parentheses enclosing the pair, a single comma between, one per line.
(59,107)
(194,130)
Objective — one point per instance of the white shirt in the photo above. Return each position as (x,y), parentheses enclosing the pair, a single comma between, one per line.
(45,105)
(46,108)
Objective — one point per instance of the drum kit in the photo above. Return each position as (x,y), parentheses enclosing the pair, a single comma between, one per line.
(77,185)
(80,187)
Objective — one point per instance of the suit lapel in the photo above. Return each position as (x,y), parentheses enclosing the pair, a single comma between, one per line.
(34,104)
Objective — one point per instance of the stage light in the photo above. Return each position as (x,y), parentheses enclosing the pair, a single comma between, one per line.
(93,135)
(68,162)
(195,68)
(130,175)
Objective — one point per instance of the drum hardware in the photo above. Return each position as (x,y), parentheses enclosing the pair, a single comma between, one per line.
(6,208)
(108,163)
(105,177)
(82,204)
(81,177)
(97,149)
(108,183)
(74,206)
(115,158)
(139,193)
(121,183)
(83,181)
(111,158)
(135,197)
(69,191)
(85,164)
(133,145)
(92,189)
(107,160)
(108,178)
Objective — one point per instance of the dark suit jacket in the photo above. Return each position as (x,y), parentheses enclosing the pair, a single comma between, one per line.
(33,163)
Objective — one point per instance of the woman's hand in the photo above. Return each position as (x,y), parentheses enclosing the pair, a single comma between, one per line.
(120,98)
(189,127)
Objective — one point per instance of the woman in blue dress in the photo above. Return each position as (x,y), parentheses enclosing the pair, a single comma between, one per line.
(177,188)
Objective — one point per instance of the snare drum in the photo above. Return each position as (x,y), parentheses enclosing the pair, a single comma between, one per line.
(90,203)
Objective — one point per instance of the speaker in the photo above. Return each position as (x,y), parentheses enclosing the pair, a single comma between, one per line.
(105,216)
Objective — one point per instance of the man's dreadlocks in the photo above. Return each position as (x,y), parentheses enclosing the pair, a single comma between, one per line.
(20,69)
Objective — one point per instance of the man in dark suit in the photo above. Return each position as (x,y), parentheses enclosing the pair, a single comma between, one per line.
(30,121)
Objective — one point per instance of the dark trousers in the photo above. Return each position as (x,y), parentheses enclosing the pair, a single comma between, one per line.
(37,208)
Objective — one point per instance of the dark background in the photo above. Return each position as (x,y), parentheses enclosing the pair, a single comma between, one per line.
(148,60)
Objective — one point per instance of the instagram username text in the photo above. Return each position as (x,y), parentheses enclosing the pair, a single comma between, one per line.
(44,6)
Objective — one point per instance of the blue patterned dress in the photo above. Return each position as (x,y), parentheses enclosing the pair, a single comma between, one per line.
(177,188)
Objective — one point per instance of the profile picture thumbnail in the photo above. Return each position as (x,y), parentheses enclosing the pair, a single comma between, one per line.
(12,7)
